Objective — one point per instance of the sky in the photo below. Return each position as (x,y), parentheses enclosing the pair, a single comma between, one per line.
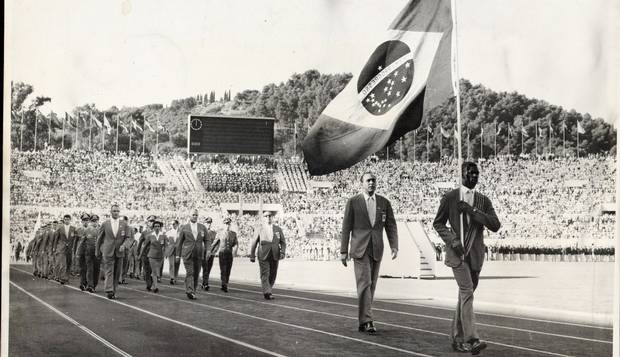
(132,53)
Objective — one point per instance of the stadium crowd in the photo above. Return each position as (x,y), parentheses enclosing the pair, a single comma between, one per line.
(541,202)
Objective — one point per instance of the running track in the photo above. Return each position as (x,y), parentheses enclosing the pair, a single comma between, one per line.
(47,319)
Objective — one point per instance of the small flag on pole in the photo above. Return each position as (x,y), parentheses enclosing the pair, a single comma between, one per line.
(499,129)
(524,132)
(444,133)
(135,126)
(580,128)
(107,124)
(97,122)
(148,125)
(428,129)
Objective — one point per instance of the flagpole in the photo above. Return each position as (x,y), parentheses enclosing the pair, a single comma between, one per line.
(549,142)
(522,132)
(495,139)
(36,122)
(157,138)
(116,151)
(564,139)
(90,130)
(415,133)
(456,87)
(21,133)
(468,144)
(103,133)
(509,137)
(401,149)
(49,131)
(536,137)
(62,140)
(143,138)
(77,127)
(440,143)
(481,140)
(130,127)
(577,139)
(427,156)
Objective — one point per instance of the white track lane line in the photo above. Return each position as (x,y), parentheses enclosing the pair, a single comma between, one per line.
(379,322)
(244,344)
(452,310)
(438,318)
(80,326)
(245,315)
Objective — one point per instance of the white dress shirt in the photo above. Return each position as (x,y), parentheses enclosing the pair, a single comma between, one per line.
(67,230)
(194,227)
(371,206)
(114,226)
(269,230)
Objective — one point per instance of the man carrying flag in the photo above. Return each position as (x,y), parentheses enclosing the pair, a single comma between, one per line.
(407,75)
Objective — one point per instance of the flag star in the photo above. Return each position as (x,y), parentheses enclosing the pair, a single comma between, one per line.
(380,68)
(404,79)
(389,93)
(385,89)
(395,73)
(407,65)
(398,94)
(372,95)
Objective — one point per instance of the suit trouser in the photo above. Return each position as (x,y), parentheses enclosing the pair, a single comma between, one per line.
(35,264)
(155,264)
(226,261)
(192,269)
(366,275)
(113,267)
(146,271)
(173,266)
(464,321)
(92,268)
(81,262)
(68,259)
(45,265)
(125,267)
(61,268)
(207,264)
(268,273)
(130,265)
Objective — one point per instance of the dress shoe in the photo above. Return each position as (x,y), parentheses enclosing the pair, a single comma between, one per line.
(123,282)
(171,281)
(81,287)
(461,347)
(477,346)
(225,289)
(111,296)
(268,296)
(148,288)
(90,290)
(367,327)
(156,290)
(62,282)
(191,296)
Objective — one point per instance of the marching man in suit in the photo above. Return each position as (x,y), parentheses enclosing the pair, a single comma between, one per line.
(191,246)
(271,244)
(62,246)
(365,217)
(228,244)
(467,208)
(111,236)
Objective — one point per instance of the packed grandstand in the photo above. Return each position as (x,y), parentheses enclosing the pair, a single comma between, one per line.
(553,206)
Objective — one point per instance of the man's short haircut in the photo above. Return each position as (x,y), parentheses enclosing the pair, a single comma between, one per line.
(176,221)
(367,173)
(125,218)
(114,205)
(466,165)
(67,216)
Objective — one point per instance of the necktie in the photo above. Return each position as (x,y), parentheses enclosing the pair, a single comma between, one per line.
(372,210)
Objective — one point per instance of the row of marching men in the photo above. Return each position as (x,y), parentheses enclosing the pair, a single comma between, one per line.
(114,250)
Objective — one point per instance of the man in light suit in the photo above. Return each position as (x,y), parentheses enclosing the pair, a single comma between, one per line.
(62,246)
(365,217)
(191,247)
(465,254)
(110,237)
(271,244)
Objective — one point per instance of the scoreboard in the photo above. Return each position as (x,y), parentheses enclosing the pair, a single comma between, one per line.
(218,134)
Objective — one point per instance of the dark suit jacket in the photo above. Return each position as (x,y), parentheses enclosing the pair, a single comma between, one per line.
(208,243)
(357,230)
(190,247)
(156,247)
(485,217)
(61,243)
(277,246)
(107,243)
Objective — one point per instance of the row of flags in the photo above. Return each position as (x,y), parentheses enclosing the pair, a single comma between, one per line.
(103,123)
(524,132)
